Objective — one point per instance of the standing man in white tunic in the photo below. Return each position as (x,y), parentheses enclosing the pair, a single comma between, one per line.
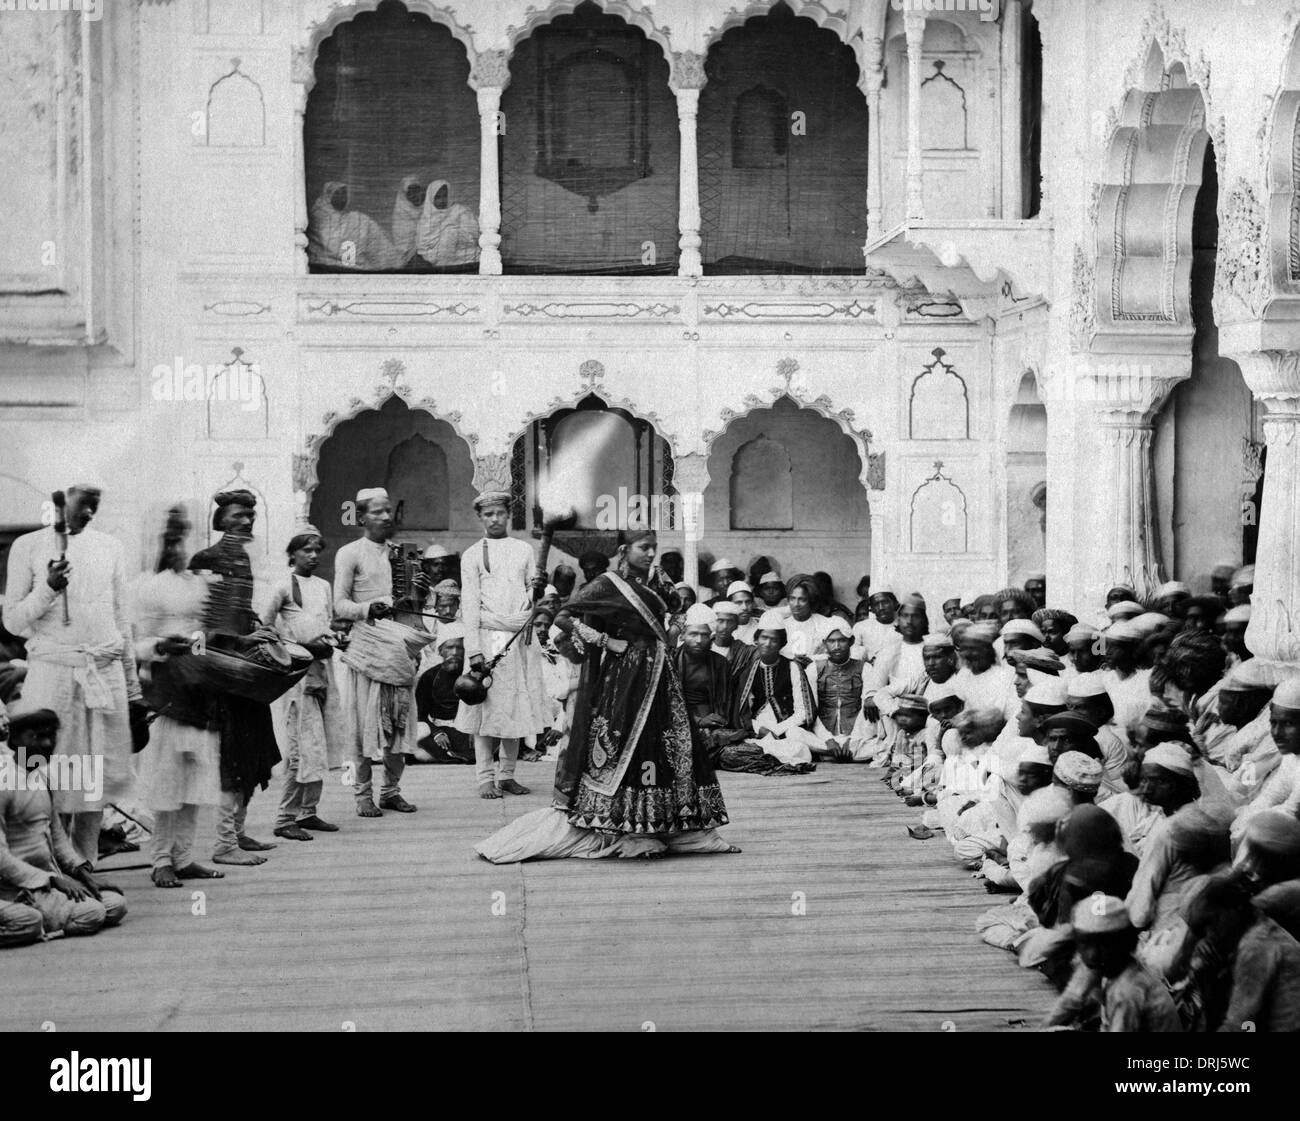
(82,669)
(497,580)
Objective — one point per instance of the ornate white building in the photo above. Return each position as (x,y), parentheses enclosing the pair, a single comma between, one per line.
(944,295)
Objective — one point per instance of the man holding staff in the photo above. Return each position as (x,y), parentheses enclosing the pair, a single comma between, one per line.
(497,580)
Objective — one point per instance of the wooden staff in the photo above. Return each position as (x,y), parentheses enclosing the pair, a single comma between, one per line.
(61,534)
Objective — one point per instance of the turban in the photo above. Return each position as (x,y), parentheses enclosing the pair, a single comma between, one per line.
(839,626)
(367,493)
(983,633)
(1287,695)
(1084,685)
(770,577)
(1042,660)
(1036,754)
(959,627)
(1044,807)
(879,592)
(449,632)
(952,599)
(1148,622)
(492,498)
(737,586)
(1274,831)
(1040,576)
(726,607)
(1123,632)
(231,498)
(1160,718)
(684,584)
(1125,609)
(913,702)
(1056,615)
(1252,674)
(940,693)
(698,615)
(1047,694)
(300,539)
(1171,757)
(1238,614)
(1081,632)
(1244,577)
(936,642)
(433,552)
(1070,722)
(1101,914)
(1173,588)
(1078,772)
(724,564)
(771,621)
(446,588)
(1021,626)
(1223,571)
(29,714)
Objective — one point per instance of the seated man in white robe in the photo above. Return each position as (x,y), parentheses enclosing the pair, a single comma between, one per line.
(1128,684)
(983,681)
(872,635)
(775,700)
(839,691)
(742,596)
(899,667)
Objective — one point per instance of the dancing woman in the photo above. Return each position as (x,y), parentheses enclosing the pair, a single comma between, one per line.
(635,779)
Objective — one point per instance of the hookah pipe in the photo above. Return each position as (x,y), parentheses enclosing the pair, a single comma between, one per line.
(61,534)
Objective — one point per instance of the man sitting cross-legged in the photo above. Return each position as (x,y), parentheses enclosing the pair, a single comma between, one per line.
(45,885)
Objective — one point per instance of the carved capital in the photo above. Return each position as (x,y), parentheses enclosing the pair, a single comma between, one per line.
(1273,375)
(688,71)
(302,68)
(491,68)
(492,471)
(691,474)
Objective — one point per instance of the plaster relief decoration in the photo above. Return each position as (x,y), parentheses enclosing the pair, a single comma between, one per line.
(876,471)
(937,522)
(1083,299)
(388,309)
(591,310)
(236,401)
(938,407)
(236,111)
(1240,270)
(754,310)
(492,471)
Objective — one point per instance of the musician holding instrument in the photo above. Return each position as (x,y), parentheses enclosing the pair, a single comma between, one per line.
(248,747)
(377,678)
(498,582)
(67,597)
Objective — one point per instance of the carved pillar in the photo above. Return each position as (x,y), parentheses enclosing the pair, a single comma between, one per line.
(875,154)
(914,25)
(490,77)
(303,76)
(688,80)
(691,477)
(877,508)
(1127,537)
(1012,63)
(1274,631)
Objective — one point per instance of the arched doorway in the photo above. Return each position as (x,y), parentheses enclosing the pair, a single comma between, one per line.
(1026,470)
(786,482)
(420,460)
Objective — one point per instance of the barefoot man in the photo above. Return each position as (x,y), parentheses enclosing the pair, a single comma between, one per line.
(497,578)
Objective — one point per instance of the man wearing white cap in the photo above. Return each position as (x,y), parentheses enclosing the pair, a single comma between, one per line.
(838,691)
(438,564)
(1086,695)
(983,681)
(379,712)
(1235,622)
(775,702)
(872,635)
(1241,742)
(742,596)
(899,667)
(1128,684)
(497,574)
(1242,586)
(738,654)
(722,574)
(437,704)
(771,589)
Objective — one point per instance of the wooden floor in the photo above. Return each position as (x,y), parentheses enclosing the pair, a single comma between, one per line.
(390,925)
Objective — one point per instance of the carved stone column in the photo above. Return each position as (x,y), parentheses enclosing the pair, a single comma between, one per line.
(1127,540)
(877,509)
(691,477)
(303,77)
(914,26)
(688,79)
(1274,631)
(875,156)
(490,77)
(1012,65)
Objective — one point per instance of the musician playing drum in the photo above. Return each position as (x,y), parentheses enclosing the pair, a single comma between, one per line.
(376,686)
(497,581)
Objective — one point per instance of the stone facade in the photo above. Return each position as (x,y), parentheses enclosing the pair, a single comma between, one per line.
(161,150)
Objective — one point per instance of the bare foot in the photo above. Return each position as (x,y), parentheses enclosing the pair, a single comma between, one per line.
(368,809)
(489,790)
(198,872)
(165,876)
(509,786)
(250,845)
(237,856)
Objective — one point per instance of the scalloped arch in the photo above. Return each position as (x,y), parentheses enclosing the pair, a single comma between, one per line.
(306,478)
(571,401)
(322,29)
(634,17)
(845,418)
(823,17)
